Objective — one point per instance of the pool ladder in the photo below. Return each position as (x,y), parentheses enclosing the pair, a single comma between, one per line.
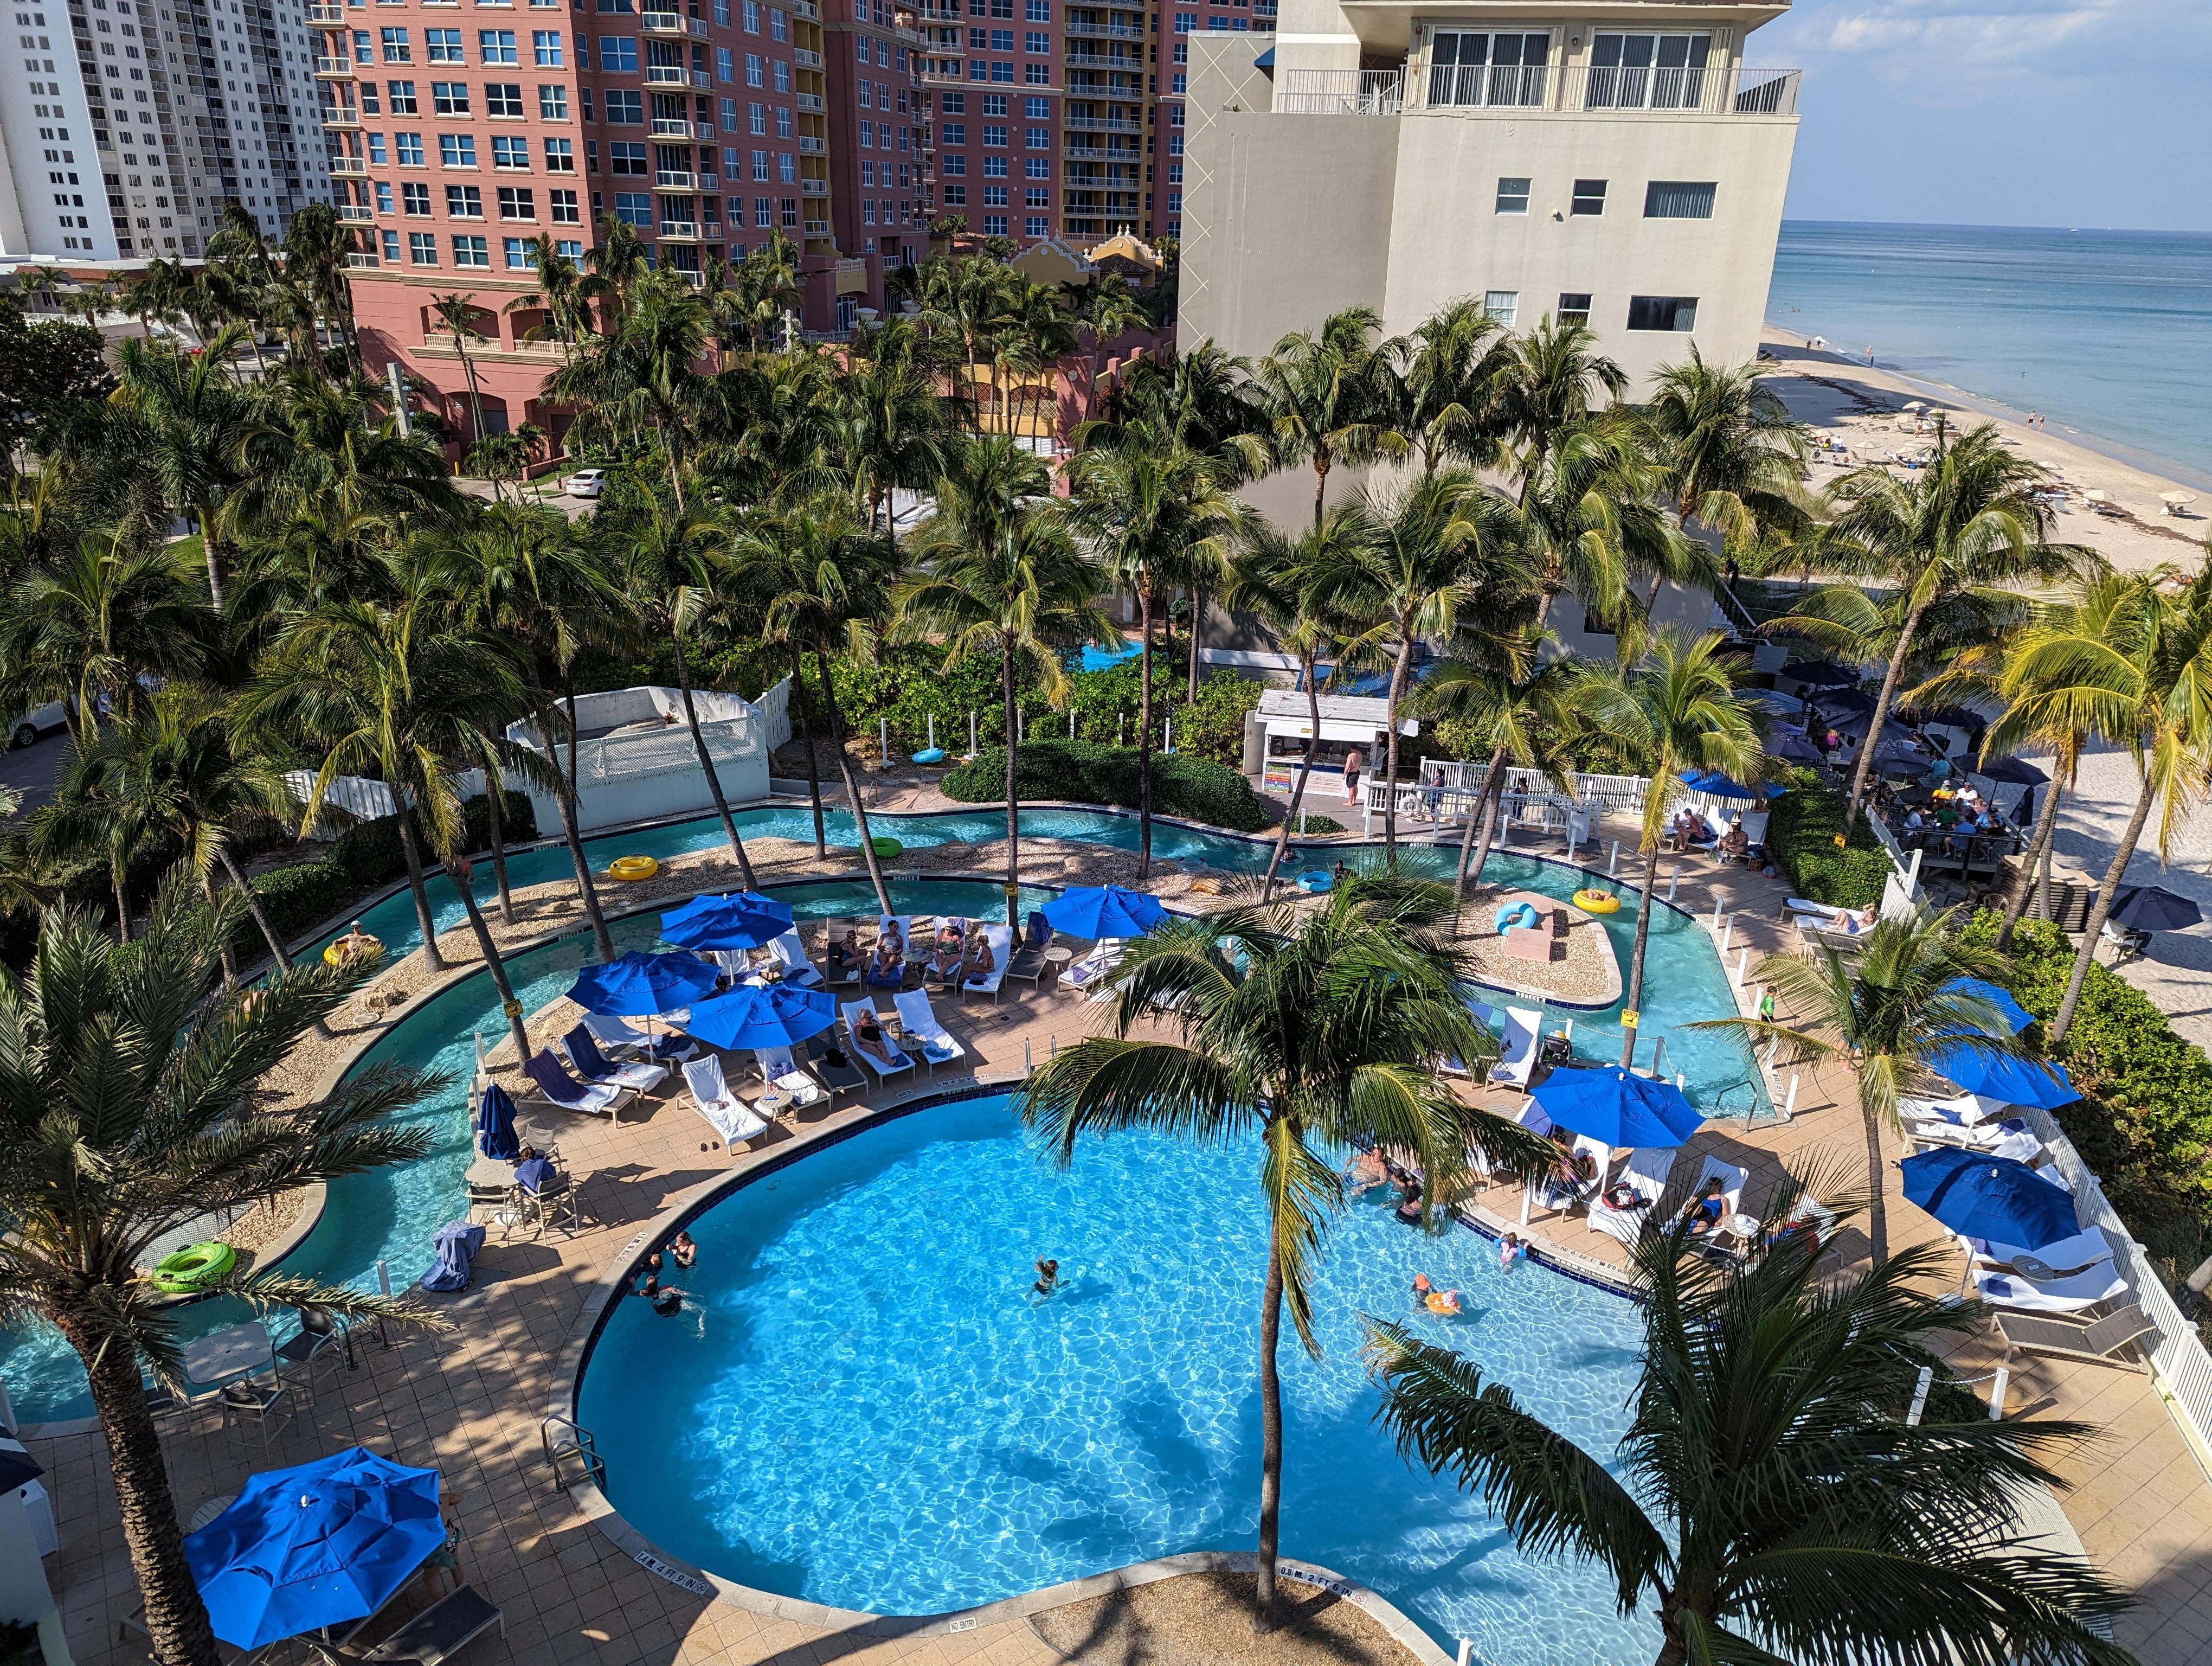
(564,1437)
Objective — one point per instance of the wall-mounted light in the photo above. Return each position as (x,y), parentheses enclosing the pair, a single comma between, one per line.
(1575,40)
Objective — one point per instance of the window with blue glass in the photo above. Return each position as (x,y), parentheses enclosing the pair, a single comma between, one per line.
(392,248)
(510,150)
(470,252)
(407,148)
(545,46)
(624,109)
(618,54)
(395,46)
(422,248)
(415,199)
(496,46)
(633,207)
(443,45)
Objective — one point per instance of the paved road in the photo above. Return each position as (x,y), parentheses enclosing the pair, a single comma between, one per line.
(30,771)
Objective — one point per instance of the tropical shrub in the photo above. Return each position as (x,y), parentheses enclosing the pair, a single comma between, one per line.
(1082,773)
(370,854)
(1801,841)
(297,898)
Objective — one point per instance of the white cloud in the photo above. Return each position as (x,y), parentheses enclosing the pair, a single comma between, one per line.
(2061,38)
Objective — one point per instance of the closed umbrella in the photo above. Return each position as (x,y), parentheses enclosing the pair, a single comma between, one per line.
(1980,1196)
(1998,996)
(1097,911)
(313,1546)
(762,1015)
(1998,1076)
(639,983)
(1618,1108)
(746,920)
(2153,908)
(496,1125)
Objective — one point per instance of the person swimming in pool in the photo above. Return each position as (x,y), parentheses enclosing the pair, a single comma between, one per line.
(1445,1302)
(1048,1277)
(1511,1249)
(683,1252)
(1365,1172)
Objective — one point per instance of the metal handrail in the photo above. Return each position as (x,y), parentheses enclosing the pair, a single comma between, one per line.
(579,1441)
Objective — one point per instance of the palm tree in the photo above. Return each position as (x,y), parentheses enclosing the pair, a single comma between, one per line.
(195,419)
(1290,1036)
(1966,528)
(2132,664)
(456,315)
(1522,711)
(644,376)
(1445,396)
(999,574)
(890,423)
(561,296)
(1103,309)
(93,817)
(1550,383)
(86,627)
(1155,513)
(1445,557)
(1589,513)
(1675,710)
(318,447)
(130,1105)
(316,244)
(1324,396)
(1773,1499)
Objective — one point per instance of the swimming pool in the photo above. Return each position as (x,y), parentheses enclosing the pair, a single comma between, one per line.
(861,1406)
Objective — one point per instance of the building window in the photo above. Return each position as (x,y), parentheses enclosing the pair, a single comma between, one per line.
(457,149)
(1466,68)
(787,211)
(763,213)
(1037,11)
(470,252)
(449,98)
(778,24)
(956,196)
(995,167)
(954,167)
(994,136)
(560,157)
(498,46)
(408,147)
(503,98)
(1037,167)
(624,109)
(553,104)
(510,150)
(725,64)
(995,197)
(1036,138)
(376,148)
(782,122)
(1037,226)
(1678,199)
(1037,198)
(403,98)
(1037,42)
(954,104)
(1503,304)
(781,77)
(1646,71)
(1678,314)
(760,165)
(444,46)
(392,248)
(1590,196)
(786,170)
(994,225)
(953,132)
(752,16)
(752,69)
(617,55)
(1574,309)
(415,198)
(422,248)
(624,156)
(1512,196)
(545,44)
(633,207)
(517,203)
(383,196)
(395,46)
(563,206)
(521,253)
(569,248)
(464,203)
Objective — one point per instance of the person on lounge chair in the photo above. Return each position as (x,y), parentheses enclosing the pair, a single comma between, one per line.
(981,960)
(848,956)
(952,947)
(868,1035)
(1736,844)
(1571,1170)
(888,970)
(1709,1211)
(531,1172)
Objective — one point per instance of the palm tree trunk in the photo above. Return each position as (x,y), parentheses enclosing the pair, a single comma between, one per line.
(2046,823)
(495,818)
(564,800)
(413,852)
(1634,1003)
(1398,669)
(1889,681)
(176,1618)
(1199,597)
(1320,482)
(253,907)
(852,786)
(1877,1209)
(1271,1435)
(1298,786)
(1013,798)
(813,762)
(457,871)
(211,547)
(1145,729)
(1478,812)
(2114,872)
(222,944)
(707,760)
(117,875)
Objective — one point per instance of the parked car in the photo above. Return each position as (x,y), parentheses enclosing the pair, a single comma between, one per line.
(587,483)
(29,727)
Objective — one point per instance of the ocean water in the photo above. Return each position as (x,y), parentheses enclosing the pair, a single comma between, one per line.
(2107,333)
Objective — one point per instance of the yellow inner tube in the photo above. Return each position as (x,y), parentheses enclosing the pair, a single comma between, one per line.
(1597,901)
(632,867)
(193,1266)
(333,956)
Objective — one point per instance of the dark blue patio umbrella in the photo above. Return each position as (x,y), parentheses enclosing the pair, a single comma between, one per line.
(496,1125)
(313,1546)
(1095,911)
(1822,674)
(1618,1108)
(1980,1069)
(762,1015)
(1999,997)
(638,984)
(2010,772)
(2153,908)
(1981,1196)
(1793,749)
(746,920)
(1713,784)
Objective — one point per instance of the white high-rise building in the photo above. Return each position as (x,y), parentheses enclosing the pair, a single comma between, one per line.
(125,124)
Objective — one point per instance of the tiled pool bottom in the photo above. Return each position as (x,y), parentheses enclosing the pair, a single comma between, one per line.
(861,1404)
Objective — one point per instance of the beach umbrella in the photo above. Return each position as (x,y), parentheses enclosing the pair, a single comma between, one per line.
(1980,1196)
(746,920)
(2153,908)
(2015,1015)
(639,983)
(1097,911)
(313,1546)
(1998,1076)
(1714,785)
(1618,1108)
(757,1015)
(2010,772)
(1894,764)
(1822,674)
(1794,749)
(1844,702)
(496,1125)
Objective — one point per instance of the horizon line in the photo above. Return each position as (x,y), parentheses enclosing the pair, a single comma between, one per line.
(1991,225)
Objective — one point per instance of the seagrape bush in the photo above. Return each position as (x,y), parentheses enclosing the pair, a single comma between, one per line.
(1802,840)
(1081,773)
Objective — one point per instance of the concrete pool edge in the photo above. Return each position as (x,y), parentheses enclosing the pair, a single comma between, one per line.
(592,1502)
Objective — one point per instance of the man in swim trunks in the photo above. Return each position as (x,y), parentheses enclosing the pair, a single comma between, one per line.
(1048,1277)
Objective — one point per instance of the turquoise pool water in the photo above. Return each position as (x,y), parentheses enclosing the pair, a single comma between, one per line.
(861,1405)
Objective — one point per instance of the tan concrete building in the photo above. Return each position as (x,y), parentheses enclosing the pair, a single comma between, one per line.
(1614,162)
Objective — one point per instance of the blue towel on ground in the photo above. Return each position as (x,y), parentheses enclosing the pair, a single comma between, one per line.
(457,1244)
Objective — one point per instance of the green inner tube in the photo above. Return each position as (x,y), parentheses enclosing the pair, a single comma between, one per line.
(193,1266)
(886,847)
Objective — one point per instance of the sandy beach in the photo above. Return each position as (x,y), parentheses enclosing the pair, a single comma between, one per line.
(1859,406)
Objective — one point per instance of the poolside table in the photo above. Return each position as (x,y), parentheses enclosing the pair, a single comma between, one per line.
(232,1352)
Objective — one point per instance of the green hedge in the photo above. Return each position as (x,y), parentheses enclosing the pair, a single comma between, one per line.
(1196,788)
(371,854)
(1801,841)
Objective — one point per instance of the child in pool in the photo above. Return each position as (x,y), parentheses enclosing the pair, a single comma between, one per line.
(1443,1302)
(1511,1249)
(1048,1277)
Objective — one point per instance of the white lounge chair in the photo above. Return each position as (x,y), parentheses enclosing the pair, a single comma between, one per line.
(1560,1196)
(922,1026)
(735,964)
(2068,1256)
(1519,1056)
(1001,940)
(780,1070)
(1646,1173)
(1485,1017)
(1088,976)
(900,1063)
(790,953)
(1732,1180)
(727,1114)
(2101,1283)
(2096,1340)
(558,1087)
(668,1048)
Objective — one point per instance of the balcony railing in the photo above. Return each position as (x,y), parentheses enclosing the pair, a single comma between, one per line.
(340,115)
(1106,31)
(1577,89)
(1339,93)
(817,228)
(810,146)
(810,101)
(1102,125)
(680,231)
(1088,58)
(325,16)
(334,68)
(666,127)
(669,22)
(1076,150)
(805,59)
(348,167)
(814,187)
(671,179)
(356,214)
(357,261)
(666,75)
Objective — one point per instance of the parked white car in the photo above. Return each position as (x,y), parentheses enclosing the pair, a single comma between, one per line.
(28,729)
(587,483)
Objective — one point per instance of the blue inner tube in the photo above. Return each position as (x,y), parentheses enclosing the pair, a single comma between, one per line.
(1514,914)
(1316,881)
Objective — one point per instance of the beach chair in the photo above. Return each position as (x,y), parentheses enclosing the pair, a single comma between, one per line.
(1645,1173)
(1028,961)
(1561,1197)
(780,1071)
(735,964)
(440,1631)
(670,1047)
(2014,1290)
(726,1114)
(838,1078)
(1001,940)
(923,1029)
(899,1064)
(593,1065)
(904,925)
(839,976)
(788,952)
(2095,1341)
(1484,1017)
(1732,1180)
(1518,1058)
(558,1087)
(1088,976)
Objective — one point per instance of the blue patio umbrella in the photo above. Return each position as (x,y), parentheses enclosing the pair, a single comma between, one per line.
(1095,911)
(1620,1109)
(2153,908)
(1982,1196)
(641,984)
(2010,772)
(762,1015)
(496,1125)
(1715,785)
(2010,1081)
(746,920)
(315,1545)
(2015,1015)
(1822,674)
(1793,749)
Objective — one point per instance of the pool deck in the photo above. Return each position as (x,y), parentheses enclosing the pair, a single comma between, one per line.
(468,1400)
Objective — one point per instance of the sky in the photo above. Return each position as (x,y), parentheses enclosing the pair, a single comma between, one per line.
(2007,112)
